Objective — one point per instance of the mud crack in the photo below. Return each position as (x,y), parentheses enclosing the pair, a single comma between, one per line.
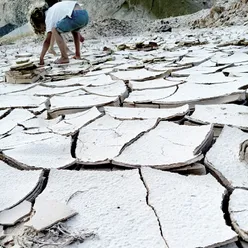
(153,209)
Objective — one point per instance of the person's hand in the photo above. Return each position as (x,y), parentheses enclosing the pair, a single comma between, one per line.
(41,62)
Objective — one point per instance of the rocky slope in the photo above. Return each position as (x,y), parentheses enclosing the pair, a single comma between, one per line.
(233,12)
(131,17)
(161,8)
(222,13)
(15,12)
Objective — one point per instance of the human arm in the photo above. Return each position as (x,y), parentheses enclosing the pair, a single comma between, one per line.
(45,47)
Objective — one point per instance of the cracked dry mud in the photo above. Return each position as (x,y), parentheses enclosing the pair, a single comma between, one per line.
(128,149)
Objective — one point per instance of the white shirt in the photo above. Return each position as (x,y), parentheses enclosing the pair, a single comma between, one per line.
(58,12)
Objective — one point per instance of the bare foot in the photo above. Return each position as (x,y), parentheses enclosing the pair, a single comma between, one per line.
(61,61)
(52,52)
(76,57)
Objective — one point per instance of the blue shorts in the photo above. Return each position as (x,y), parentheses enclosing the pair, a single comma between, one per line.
(78,20)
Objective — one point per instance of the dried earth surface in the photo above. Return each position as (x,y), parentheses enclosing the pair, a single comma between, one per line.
(142,143)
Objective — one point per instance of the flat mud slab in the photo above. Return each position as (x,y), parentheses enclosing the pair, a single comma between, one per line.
(193,94)
(173,148)
(45,216)
(159,83)
(137,75)
(188,93)
(148,97)
(16,185)
(238,57)
(145,113)
(195,200)
(74,122)
(102,140)
(12,216)
(54,152)
(214,78)
(69,105)
(238,210)
(124,220)
(22,101)
(224,158)
(220,115)
(17,139)
(13,118)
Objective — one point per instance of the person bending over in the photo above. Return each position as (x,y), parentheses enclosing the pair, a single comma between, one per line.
(51,50)
(62,17)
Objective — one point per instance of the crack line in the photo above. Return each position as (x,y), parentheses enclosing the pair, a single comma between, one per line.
(153,209)
(129,143)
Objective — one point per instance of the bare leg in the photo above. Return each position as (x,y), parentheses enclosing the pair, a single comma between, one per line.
(81,38)
(69,52)
(76,37)
(62,47)
(51,47)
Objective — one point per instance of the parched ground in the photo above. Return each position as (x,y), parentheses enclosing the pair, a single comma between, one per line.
(142,143)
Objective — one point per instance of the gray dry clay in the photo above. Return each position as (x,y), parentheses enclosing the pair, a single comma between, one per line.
(141,207)
(220,115)
(195,200)
(238,209)
(145,113)
(102,140)
(54,151)
(19,185)
(124,220)
(224,158)
(48,213)
(173,148)
(12,216)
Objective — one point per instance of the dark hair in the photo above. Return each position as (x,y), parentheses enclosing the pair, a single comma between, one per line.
(50,3)
(37,19)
